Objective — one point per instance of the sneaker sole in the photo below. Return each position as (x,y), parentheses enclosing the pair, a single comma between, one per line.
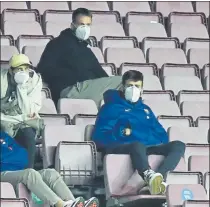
(163,189)
(92,203)
(155,184)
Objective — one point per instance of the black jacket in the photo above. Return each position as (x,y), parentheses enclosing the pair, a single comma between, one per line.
(66,60)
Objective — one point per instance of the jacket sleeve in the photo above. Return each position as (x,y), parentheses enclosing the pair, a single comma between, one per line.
(158,129)
(30,103)
(106,132)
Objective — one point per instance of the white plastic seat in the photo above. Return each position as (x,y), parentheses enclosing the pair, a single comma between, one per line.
(6,40)
(202,6)
(152,82)
(48,107)
(97,52)
(8,191)
(7,51)
(54,28)
(158,95)
(13,5)
(96,5)
(203,121)
(206,83)
(84,120)
(109,68)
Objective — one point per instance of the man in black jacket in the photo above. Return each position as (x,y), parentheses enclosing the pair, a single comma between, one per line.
(69,67)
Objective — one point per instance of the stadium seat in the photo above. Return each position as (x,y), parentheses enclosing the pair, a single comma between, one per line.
(190,43)
(100,17)
(56,119)
(22,28)
(6,40)
(195,109)
(184,30)
(48,107)
(76,106)
(145,29)
(145,68)
(199,163)
(193,96)
(159,42)
(189,135)
(178,83)
(186,17)
(13,5)
(8,191)
(4,65)
(83,119)
(32,40)
(196,203)
(168,108)
(14,202)
(205,71)
(109,68)
(41,6)
(176,194)
(96,5)
(206,182)
(100,30)
(121,55)
(46,93)
(167,7)
(55,134)
(81,169)
(22,15)
(160,56)
(179,121)
(158,95)
(88,132)
(202,6)
(180,177)
(152,82)
(202,121)
(198,56)
(139,17)
(124,7)
(97,52)
(179,70)
(54,28)
(206,83)
(34,53)
(118,42)
(7,51)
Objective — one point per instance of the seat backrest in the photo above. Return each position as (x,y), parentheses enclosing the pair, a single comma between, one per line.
(56,119)
(88,132)
(97,52)
(96,5)
(176,194)
(192,135)
(206,83)
(82,119)
(13,5)
(145,68)
(178,83)
(124,7)
(169,108)
(195,109)
(4,65)
(54,28)
(202,6)
(158,95)
(179,121)
(76,106)
(8,191)
(41,6)
(203,121)
(100,30)
(152,82)
(160,56)
(170,6)
(14,202)
(7,51)
(159,42)
(22,28)
(206,181)
(55,134)
(145,29)
(48,107)
(184,30)
(109,68)
(196,203)
(121,55)
(6,40)
(199,163)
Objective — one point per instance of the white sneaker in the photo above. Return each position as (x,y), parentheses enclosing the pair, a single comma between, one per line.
(154,181)
(92,202)
(79,202)
(163,188)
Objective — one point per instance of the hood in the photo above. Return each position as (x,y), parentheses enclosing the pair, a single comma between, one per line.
(115,97)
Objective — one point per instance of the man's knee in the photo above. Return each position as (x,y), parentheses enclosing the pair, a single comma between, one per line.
(137,146)
(52,174)
(178,146)
(31,176)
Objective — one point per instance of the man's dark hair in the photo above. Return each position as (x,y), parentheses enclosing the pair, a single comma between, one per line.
(133,75)
(81,11)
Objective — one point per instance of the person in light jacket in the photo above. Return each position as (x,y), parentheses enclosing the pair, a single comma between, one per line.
(125,125)
(20,103)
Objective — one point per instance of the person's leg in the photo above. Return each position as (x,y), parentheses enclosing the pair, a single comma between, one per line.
(92,89)
(26,138)
(173,151)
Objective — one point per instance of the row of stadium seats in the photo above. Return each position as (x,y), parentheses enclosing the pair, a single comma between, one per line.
(122,7)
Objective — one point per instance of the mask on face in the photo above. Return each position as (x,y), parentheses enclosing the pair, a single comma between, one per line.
(132,94)
(83,32)
(21,77)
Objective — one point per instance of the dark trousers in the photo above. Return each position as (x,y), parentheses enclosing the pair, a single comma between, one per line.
(26,138)
(173,151)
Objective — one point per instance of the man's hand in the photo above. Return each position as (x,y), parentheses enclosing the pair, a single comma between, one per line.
(127,132)
(32,115)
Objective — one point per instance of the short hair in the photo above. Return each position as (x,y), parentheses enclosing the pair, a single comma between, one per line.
(81,11)
(133,75)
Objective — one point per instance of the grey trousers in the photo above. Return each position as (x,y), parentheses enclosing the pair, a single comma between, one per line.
(92,89)
(46,184)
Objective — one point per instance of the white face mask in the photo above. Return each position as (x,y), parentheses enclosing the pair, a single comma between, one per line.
(83,32)
(132,94)
(21,77)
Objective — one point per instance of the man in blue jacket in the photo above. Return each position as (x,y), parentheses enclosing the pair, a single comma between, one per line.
(125,125)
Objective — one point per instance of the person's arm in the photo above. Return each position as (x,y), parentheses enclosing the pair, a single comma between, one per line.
(158,128)
(30,103)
